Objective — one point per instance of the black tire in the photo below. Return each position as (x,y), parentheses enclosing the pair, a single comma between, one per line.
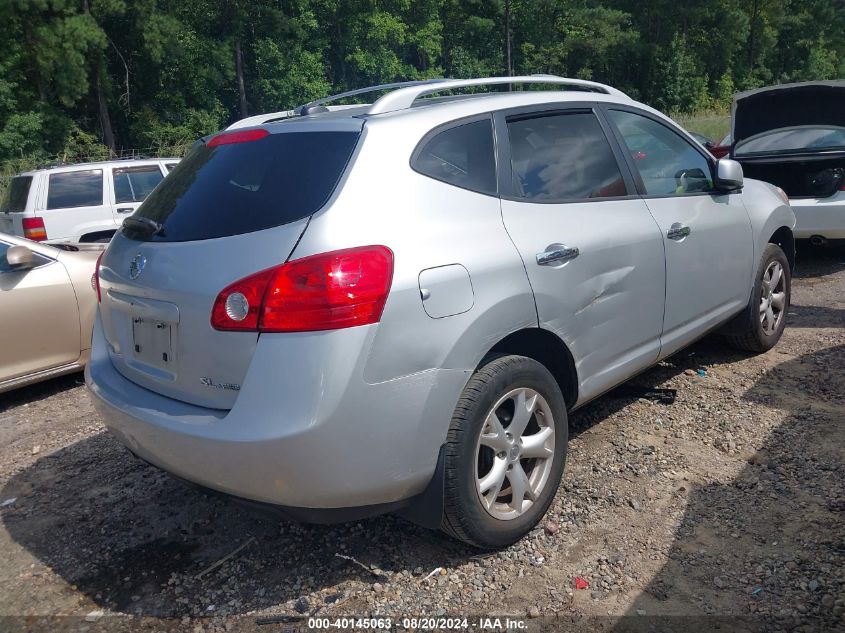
(464,515)
(752,337)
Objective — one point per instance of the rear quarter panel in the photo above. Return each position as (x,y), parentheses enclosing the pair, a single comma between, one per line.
(427,224)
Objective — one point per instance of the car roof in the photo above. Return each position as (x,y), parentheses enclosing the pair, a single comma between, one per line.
(433,110)
(417,98)
(125,162)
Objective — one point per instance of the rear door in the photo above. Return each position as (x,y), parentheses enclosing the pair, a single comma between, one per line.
(131,185)
(40,317)
(591,249)
(231,208)
(706,233)
(75,204)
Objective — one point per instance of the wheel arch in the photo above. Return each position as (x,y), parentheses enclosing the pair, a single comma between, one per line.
(784,238)
(547,349)
(93,236)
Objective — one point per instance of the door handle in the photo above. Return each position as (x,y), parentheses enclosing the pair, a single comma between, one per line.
(125,210)
(557,253)
(678,231)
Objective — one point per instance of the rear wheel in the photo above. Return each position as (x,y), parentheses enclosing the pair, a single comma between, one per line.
(769,303)
(505,452)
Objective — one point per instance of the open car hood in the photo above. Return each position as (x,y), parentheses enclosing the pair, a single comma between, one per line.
(786,106)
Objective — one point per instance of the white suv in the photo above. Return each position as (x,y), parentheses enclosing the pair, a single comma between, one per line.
(79,203)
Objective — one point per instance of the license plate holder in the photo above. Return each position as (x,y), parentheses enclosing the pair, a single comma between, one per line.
(152,343)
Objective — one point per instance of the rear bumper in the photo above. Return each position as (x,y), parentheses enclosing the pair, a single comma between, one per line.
(820,216)
(306,430)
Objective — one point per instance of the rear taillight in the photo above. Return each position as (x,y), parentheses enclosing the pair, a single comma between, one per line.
(95,279)
(33,229)
(322,292)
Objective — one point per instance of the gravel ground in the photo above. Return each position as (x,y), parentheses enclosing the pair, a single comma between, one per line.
(728,502)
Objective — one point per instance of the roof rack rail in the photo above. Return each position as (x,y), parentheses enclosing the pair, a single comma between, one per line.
(361,91)
(404,97)
(404,93)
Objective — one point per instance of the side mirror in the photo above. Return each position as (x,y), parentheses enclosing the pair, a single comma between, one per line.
(728,175)
(19,258)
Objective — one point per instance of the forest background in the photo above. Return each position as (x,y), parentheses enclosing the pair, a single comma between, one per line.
(89,79)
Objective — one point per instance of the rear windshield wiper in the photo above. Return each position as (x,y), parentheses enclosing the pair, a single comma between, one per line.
(142,225)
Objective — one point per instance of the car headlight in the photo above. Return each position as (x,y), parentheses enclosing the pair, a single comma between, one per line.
(782,194)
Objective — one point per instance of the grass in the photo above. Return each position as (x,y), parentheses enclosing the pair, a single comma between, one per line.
(713,125)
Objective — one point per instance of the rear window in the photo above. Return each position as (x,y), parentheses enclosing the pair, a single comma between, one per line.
(75,189)
(134,184)
(243,187)
(794,139)
(16,194)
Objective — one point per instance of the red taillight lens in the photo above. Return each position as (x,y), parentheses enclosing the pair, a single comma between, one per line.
(96,279)
(33,229)
(238,136)
(323,292)
(329,291)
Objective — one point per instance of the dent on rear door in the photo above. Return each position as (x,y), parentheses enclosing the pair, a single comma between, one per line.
(606,303)
(596,266)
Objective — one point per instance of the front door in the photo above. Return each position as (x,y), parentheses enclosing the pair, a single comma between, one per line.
(592,250)
(706,233)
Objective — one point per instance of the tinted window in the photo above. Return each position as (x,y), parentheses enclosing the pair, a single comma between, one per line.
(75,189)
(461,156)
(563,157)
(134,184)
(667,163)
(16,194)
(242,187)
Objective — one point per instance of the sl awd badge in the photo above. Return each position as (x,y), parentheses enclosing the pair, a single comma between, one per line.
(136,266)
(230,386)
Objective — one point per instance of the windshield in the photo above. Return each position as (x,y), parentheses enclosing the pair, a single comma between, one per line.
(16,194)
(794,139)
(235,188)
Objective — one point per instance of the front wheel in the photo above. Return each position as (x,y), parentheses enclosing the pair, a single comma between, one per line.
(505,452)
(766,316)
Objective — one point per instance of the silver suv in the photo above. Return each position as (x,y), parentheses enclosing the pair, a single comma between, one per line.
(344,311)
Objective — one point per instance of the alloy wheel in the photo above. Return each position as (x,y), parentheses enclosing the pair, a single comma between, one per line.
(515,453)
(773,297)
